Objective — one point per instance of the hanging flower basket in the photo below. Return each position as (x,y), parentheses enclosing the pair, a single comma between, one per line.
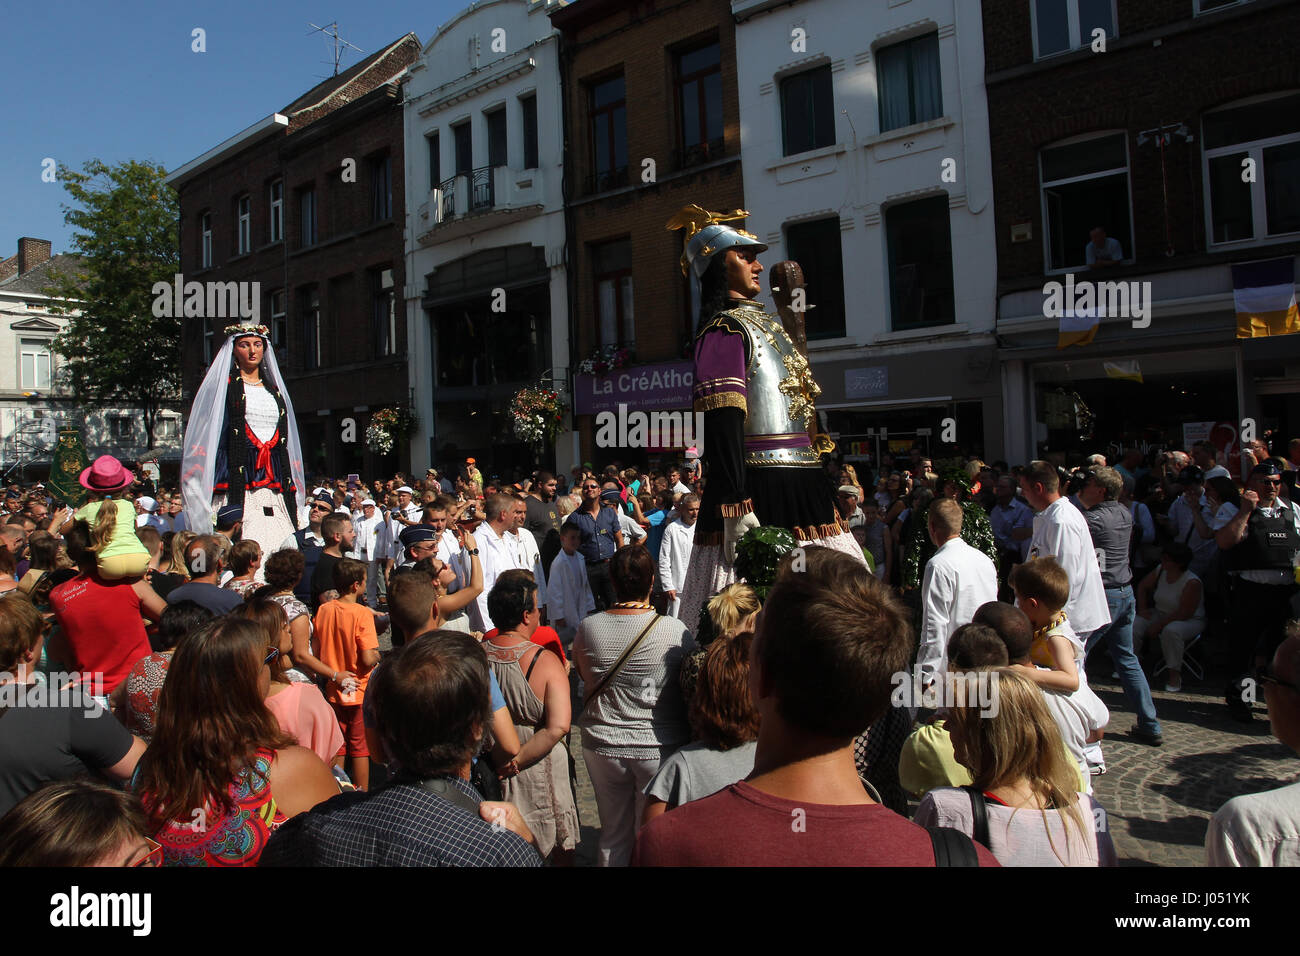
(537,414)
(607,358)
(387,427)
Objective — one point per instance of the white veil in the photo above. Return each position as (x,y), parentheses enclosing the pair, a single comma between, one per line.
(203,435)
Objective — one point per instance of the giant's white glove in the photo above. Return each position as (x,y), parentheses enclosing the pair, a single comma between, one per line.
(733,529)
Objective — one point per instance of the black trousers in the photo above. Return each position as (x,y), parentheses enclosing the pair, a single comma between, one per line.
(602,587)
(1258,621)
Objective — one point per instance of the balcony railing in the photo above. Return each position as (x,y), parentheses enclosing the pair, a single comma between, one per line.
(447,190)
(700,153)
(613,178)
(481,191)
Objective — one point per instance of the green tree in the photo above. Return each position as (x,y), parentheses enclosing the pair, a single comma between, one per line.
(114,349)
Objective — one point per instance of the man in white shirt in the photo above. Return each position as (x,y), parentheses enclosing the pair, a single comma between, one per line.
(675,482)
(1060,531)
(1205,455)
(367,525)
(528,557)
(1263,829)
(675,552)
(496,550)
(958,579)
(407,512)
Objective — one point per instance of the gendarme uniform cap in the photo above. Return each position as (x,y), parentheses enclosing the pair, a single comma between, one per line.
(415,534)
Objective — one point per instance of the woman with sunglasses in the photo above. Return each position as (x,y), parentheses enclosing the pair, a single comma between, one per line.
(77,823)
(220,775)
(297,703)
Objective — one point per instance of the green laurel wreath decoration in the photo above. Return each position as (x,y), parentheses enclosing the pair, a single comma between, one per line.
(976,530)
(758,553)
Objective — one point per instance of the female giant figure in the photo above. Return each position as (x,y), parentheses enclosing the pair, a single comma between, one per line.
(241,444)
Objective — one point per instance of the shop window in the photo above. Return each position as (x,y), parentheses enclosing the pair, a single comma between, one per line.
(1085,184)
(1258,140)
(920,263)
(816,247)
(1063,25)
(807,111)
(909,81)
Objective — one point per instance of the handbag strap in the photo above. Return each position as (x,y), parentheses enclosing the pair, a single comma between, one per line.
(980,810)
(618,664)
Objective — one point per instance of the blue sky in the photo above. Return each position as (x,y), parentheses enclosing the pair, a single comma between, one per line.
(114,81)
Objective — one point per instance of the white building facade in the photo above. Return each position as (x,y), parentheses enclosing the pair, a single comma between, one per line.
(33,403)
(486,298)
(865,150)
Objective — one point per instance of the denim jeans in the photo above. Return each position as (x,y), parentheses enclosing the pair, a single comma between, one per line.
(1118,635)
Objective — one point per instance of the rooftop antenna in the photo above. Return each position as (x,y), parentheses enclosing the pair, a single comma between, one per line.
(332,30)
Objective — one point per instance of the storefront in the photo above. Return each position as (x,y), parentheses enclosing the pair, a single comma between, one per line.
(636,414)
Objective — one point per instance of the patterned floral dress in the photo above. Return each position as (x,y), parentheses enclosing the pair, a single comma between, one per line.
(236,838)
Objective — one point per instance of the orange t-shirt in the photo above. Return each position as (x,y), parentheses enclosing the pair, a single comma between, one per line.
(342,631)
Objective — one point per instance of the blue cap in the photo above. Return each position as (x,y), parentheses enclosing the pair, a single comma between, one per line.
(227,515)
(415,534)
(324,499)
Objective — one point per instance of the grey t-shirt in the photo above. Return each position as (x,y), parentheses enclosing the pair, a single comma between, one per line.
(697,771)
(47,734)
(1111,527)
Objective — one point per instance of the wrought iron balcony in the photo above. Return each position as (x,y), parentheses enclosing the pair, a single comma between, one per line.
(700,153)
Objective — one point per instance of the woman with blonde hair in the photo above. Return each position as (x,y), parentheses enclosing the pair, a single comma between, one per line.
(1024,785)
(731,611)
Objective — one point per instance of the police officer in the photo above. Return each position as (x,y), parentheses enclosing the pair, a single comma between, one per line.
(1260,545)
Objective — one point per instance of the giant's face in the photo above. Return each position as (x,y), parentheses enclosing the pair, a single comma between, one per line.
(743,269)
(249,351)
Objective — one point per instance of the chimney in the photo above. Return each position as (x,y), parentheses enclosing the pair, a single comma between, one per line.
(31,253)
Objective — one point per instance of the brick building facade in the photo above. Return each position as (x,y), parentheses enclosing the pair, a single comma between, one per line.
(642,81)
(310,202)
(1076,137)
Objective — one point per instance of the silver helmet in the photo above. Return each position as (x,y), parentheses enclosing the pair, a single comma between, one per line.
(706,235)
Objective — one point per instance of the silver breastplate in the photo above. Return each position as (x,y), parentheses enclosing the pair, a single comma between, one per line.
(781,393)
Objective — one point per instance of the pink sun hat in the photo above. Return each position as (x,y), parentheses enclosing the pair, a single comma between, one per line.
(106,475)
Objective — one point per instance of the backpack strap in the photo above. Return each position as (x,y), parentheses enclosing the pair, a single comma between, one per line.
(952,847)
(980,809)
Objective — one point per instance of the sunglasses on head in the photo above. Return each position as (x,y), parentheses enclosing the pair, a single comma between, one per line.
(275,652)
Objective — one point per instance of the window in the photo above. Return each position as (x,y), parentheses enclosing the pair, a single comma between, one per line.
(277,210)
(910,87)
(1064,25)
(208,338)
(1263,134)
(383,312)
(1085,184)
(1205,6)
(307,217)
(205,240)
(528,106)
(435,160)
(121,427)
(920,263)
(612,267)
(381,188)
(35,361)
(496,137)
(807,111)
(464,149)
(309,308)
(816,247)
(167,428)
(608,111)
(279,320)
(698,79)
(244,234)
